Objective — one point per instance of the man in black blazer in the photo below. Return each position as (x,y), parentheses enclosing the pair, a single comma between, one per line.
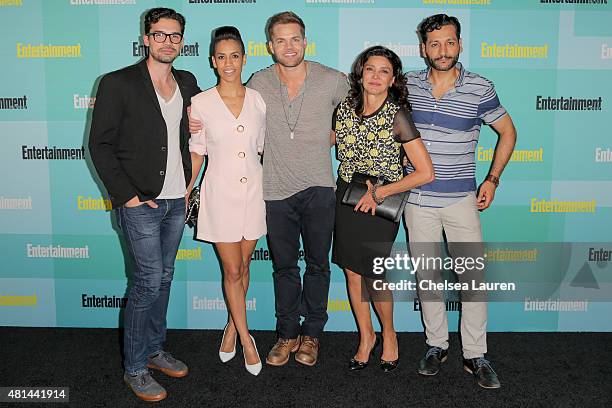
(139,147)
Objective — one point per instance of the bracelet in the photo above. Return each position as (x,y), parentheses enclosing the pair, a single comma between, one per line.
(493,179)
(376,199)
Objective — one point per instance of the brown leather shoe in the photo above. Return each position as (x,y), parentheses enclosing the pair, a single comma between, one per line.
(279,355)
(308,352)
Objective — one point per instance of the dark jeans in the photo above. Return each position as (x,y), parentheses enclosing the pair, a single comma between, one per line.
(311,214)
(152,236)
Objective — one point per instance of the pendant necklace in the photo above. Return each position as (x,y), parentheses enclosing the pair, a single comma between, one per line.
(280,90)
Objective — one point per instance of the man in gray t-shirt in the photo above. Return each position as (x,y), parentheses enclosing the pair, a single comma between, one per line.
(297,149)
(298,184)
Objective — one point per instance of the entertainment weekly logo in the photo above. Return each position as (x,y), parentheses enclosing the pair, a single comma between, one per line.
(581,2)
(401,49)
(209,2)
(11,300)
(13,103)
(90,301)
(459,2)
(102,2)
(450,305)
(484,154)
(258,48)
(339,2)
(11,3)
(555,305)
(565,103)
(56,251)
(603,155)
(218,304)
(15,203)
(48,51)
(52,153)
(188,50)
(261,254)
(83,101)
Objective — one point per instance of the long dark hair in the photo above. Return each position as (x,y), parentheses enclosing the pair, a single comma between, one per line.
(398,92)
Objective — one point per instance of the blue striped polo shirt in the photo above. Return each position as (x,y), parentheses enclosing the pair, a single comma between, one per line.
(449,130)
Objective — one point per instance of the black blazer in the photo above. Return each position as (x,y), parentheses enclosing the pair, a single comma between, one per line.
(128,140)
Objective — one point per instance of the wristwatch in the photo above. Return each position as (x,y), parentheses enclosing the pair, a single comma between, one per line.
(493,179)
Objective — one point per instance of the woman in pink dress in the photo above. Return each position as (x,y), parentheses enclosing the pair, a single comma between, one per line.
(232,210)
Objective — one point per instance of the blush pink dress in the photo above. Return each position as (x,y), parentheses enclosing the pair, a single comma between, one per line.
(231,198)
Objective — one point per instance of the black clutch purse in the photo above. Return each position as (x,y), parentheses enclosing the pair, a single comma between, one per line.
(391,209)
(193,207)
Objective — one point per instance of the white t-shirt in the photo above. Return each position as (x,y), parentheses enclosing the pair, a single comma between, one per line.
(174,181)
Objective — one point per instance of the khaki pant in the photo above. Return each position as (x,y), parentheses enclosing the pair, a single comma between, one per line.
(461,223)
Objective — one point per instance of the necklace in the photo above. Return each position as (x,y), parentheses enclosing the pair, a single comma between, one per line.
(280,91)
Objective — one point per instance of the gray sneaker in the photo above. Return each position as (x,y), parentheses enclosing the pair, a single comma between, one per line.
(145,387)
(168,365)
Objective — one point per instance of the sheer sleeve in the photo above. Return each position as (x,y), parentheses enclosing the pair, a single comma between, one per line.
(403,127)
(334,116)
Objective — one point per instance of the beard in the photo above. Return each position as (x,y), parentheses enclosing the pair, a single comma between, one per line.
(434,64)
(158,56)
(288,62)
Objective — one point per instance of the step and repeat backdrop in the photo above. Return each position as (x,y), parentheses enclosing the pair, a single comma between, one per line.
(61,256)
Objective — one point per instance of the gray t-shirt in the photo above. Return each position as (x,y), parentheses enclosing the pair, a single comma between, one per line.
(293,163)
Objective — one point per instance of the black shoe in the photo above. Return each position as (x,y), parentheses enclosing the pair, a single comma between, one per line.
(388,366)
(430,364)
(482,370)
(355,365)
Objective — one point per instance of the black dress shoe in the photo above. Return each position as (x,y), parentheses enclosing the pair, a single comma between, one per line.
(355,365)
(482,370)
(430,364)
(388,366)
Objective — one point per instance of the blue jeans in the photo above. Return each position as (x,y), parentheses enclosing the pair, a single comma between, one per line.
(152,236)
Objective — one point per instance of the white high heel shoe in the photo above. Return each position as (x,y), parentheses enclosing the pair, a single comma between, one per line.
(227,356)
(253,368)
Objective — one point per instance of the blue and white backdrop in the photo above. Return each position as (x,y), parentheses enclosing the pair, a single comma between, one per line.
(61,259)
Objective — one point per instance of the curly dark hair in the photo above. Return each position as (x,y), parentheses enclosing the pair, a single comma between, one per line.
(436,22)
(155,14)
(398,93)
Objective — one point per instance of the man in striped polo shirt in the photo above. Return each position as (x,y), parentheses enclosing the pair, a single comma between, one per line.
(449,104)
